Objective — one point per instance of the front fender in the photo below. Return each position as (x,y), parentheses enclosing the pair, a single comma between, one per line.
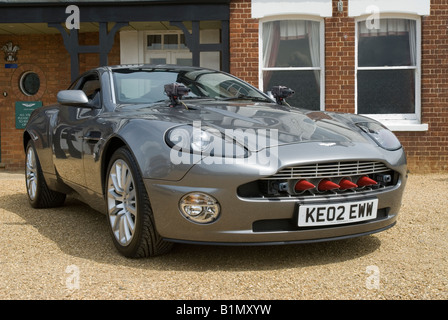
(146,140)
(38,130)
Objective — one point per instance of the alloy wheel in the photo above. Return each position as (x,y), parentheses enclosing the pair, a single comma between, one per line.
(31,173)
(122,202)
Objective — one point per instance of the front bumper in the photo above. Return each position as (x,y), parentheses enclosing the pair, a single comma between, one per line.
(266,221)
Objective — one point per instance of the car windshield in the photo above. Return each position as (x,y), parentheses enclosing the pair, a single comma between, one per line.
(146,85)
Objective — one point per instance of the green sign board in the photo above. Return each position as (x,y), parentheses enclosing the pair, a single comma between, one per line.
(23,112)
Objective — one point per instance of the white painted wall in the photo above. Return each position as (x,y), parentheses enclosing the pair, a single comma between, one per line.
(358,8)
(129,47)
(266,8)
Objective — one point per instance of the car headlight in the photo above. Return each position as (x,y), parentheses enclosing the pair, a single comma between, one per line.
(381,135)
(204,141)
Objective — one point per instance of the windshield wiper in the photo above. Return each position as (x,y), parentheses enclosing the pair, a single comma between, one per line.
(197,98)
(246,97)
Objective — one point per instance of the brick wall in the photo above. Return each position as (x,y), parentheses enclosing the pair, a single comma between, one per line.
(340,61)
(47,56)
(426,151)
(44,55)
(243,42)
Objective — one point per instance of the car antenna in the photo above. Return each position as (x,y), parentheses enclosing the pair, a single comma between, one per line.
(175,91)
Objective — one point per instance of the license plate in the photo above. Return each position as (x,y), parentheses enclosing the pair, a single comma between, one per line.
(337,213)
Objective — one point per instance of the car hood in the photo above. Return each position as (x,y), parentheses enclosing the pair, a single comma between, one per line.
(260,125)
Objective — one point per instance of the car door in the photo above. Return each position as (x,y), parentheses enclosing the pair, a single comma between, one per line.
(69,133)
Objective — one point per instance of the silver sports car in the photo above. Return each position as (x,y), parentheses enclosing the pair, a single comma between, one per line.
(181,154)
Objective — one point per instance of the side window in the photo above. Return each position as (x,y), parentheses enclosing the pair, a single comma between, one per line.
(92,88)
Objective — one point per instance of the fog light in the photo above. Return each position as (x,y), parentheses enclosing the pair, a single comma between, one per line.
(199,207)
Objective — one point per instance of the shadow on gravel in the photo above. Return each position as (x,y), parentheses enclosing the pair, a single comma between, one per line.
(82,232)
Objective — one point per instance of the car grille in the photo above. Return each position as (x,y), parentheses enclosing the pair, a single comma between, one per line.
(284,184)
(330,170)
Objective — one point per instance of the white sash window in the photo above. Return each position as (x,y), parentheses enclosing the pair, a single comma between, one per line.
(388,71)
(292,55)
(292,48)
(388,61)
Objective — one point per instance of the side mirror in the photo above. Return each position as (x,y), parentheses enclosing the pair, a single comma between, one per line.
(280,93)
(75,98)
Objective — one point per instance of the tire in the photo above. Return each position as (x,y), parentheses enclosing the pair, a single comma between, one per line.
(129,214)
(39,195)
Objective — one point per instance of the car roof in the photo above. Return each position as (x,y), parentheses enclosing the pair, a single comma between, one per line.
(155,66)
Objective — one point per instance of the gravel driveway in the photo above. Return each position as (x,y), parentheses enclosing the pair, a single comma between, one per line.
(66,253)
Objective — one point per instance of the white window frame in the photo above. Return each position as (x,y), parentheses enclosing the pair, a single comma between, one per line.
(261,68)
(398,121)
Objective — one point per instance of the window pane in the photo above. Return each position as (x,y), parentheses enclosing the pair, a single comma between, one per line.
(142,87)
(154,42)
(157,61)
(291,43)
(184,61)
(147,85)
(392,43)
(170,42)
(30,83)
(386,91)
(182,44)
(305,84)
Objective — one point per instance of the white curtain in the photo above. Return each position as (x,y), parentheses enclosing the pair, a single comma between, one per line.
(385,27)
(314,39)
(393,27)
(285,30)
(293,29)
(271,42)
(413,41)
(270,45)
(301,29)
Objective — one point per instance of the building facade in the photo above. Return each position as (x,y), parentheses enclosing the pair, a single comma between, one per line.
(384,59)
